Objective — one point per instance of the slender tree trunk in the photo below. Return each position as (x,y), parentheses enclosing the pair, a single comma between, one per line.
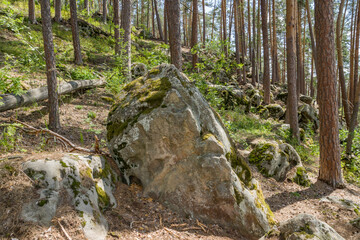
(153,18)
(266,77)
(194,35)
(53,105)
(291,67)
(204,22)
(330,166)
(57,11)
(243,39)
(117,26)
(352,46)
(341,65)
(237,44)
(312,78)
(126,38)
(32,18)
(276,74)
(258,62)
(185,23)
(148,17)
(253,61)
(223,14)
(356,57)
(231,21)
(174,32)
(86,6)
(313,44)
(104,11)
(249,29)
(165,23)
(75,33)
(213,21)
(158,21)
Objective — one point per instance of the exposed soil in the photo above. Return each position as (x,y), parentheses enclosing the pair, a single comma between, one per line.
(137,216)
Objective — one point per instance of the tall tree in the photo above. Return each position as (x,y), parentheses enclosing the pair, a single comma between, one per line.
(54,119)
(194,33)
(291,67)
(126,37)
(87,6)
(75,33)
(266,77)
(104,15)
(57,10)
(32,18)
(116,26)
(253,60)
(330,166)
(341,65)
(237,42)
(174,32)
(165,24)
(275,68)
(204,21)
(158,21)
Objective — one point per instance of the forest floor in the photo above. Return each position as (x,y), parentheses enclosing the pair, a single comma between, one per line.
(137,216)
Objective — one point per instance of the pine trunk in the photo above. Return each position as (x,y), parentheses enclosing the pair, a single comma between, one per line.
(75,33)
(158,21)
(32,18)
(126,38)
(174,32)
(117,26)
(57,10)
(266,77)
(330,166)
(194,34)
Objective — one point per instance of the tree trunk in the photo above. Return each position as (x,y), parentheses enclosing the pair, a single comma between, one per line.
(117,26)
(213,21)
(86,6)
(58,10)
(313,44)
(153,18)
(174,32)
(266,77)
(54,119)
(194,34)
(104,11)
(32,18)
(291,67)
(75,33)
(352,45)
(330,166)
(253,61)
(237,43)
(356,57)
(126,38)
(204,22)
(341,65)
(223,14)
(275,52)
(158,21)
(165,23)
(312,94)
(9,102)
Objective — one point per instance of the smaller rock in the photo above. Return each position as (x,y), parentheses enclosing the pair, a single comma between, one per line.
(275,111)
(301,177)
(306,99)
(256,99)
(138,70)
(305,226)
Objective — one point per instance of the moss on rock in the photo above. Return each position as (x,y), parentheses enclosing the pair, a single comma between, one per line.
(301,177)
(240,167)
(103,198)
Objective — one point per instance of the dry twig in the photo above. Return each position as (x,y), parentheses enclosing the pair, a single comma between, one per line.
(63,229)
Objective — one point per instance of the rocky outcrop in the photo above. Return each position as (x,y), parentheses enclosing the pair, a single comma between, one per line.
(88,180)
(274,111)
(277,161)
(233,97)
(163,133)
(305,226)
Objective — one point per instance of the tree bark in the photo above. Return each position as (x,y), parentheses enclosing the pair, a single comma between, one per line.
(165,23)
(126,38)
(87,7)
(313,44)
(54,119)
(204,22)
(39,94)
(174,32)
(275,74)
(266,77)
(58,10)
(213,21)
(32,18)
(253,61)
(117,26)
(75,33)
(237,43)
(104,15)
(158,21)
(330,166)
(291,67)
(194,34)
(341,65)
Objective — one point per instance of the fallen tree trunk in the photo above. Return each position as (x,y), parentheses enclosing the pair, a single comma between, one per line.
(10,101)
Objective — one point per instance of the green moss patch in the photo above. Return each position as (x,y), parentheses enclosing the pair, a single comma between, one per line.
(301,177)
(103,198)
(240,167)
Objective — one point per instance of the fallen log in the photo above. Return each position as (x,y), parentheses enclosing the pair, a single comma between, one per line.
(10,101)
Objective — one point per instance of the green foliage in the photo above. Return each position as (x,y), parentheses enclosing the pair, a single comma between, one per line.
(210,94)
(351,164)
(9,138)
(91,115)
(82,73)
(10,84)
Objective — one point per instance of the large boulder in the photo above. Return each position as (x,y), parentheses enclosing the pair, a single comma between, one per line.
(308,115)
(88,180)
(279,161)
(164,134)
(305,226)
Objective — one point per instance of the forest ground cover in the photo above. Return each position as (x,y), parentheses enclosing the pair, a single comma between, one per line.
(83,115)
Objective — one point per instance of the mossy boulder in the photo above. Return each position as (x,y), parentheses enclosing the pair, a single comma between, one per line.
(275,111)
(308,115)
(233,97)
(277,161)
(306,99)
(305,226)
(76,174)
(138,70)
(162,132)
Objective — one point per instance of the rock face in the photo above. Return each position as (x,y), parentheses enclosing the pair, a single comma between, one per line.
(274,160)
(306,226)
(163,132)
(87,179)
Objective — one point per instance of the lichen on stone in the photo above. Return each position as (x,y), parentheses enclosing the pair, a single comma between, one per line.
(240,167)
(103,198)
(301,177)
